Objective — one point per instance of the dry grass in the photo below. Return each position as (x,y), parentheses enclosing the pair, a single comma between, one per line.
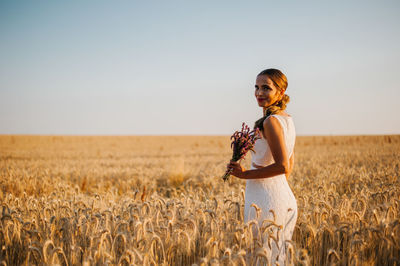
(160,201)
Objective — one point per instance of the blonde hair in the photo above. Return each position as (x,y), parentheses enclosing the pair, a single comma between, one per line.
(280,81)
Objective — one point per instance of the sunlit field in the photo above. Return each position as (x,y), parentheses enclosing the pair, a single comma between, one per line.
(161,201)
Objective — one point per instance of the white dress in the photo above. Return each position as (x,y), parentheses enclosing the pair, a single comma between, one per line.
(272,193)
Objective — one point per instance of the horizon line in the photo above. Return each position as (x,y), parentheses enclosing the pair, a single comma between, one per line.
(183,135)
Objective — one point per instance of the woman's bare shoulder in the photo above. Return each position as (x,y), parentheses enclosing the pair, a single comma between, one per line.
(272,127)
(271,121)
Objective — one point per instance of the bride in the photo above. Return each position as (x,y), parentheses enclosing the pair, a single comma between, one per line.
(268,195)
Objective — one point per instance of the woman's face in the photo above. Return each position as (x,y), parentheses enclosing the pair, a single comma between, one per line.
(266,92)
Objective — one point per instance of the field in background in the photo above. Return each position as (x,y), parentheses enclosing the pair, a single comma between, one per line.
(160,200)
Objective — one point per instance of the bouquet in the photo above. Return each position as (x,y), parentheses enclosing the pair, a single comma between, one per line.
(242,142)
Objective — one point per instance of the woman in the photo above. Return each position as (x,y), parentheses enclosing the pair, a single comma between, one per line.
(271,164)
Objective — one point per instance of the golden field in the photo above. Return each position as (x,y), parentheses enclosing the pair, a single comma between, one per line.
(159,200)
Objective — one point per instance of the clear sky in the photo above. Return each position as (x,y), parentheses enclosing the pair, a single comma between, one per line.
(189,67)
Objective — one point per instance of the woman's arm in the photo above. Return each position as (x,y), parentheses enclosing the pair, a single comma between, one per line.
(273,133)
(291,164)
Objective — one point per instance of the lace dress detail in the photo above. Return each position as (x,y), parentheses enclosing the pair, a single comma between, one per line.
(272,193)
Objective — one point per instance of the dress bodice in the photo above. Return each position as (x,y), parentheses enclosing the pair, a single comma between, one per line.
(262,154)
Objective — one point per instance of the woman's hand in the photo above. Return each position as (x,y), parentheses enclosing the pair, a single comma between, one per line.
(237,169)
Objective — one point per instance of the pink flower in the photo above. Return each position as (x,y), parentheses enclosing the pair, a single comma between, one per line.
(242,142)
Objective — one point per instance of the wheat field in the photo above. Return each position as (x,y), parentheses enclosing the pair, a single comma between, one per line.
(160,200)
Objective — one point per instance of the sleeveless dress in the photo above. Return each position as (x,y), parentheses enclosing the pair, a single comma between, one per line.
(272,193)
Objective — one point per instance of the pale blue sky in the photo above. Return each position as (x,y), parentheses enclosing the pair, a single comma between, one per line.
(188,67)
